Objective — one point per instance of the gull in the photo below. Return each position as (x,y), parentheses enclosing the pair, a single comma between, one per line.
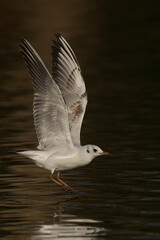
(59,106)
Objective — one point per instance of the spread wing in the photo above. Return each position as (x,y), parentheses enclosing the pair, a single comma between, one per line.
(67,75)
(49,109)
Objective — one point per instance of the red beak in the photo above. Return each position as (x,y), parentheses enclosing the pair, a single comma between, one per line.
(106,153)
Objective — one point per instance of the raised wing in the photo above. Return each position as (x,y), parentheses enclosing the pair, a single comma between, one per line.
(67,74)
(49,109)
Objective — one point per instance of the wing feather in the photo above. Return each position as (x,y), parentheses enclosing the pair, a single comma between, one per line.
(67,75)
(49,109)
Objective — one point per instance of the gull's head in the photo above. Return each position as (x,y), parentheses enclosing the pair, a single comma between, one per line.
(93,151)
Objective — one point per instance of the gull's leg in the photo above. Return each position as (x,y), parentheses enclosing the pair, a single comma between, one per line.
(65,184)
(60,180)
(59,183)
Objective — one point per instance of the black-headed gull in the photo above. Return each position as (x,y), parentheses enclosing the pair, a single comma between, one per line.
(59,105)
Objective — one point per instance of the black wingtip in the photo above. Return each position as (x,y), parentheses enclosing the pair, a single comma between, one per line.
(22,39)
(58,35)
(56,38)
(23,42)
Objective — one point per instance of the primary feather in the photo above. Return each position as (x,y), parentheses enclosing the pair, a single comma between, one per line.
(50,111)
(67,75)
(59,100)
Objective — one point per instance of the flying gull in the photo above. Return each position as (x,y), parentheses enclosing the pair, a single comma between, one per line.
(59,105)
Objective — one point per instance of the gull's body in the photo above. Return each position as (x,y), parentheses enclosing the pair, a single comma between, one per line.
(59,105)
(59,161)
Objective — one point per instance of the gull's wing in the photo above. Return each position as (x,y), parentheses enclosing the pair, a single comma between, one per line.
(49,109)
(67,74)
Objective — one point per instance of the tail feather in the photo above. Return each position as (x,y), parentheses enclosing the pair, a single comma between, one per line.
(36,156)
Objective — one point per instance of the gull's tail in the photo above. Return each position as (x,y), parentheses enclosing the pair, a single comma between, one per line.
(38,157)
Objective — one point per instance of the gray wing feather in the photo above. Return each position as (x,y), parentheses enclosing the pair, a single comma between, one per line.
(49,108)
(67,75)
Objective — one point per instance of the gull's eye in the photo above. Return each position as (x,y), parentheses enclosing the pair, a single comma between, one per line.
(95,150)
(88,151)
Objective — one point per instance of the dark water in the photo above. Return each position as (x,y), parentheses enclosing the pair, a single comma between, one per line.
(117,44)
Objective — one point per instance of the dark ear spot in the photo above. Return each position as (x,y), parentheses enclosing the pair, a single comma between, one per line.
(95,150)
(88,151)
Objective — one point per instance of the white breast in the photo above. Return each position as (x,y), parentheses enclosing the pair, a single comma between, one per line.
(65,161)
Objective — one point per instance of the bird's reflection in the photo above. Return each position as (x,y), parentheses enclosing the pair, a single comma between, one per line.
(60,209)
(69,226)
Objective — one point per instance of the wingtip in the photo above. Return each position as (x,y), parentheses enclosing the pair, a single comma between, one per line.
(56,38)
(22,39)
(58,35)
(23,42)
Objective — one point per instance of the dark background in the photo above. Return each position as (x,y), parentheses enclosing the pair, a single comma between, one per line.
(117,45)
